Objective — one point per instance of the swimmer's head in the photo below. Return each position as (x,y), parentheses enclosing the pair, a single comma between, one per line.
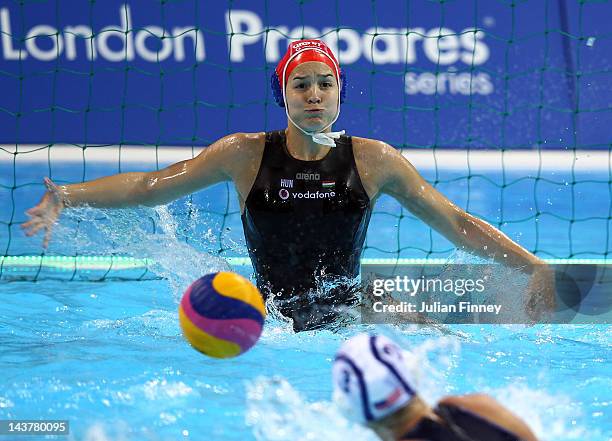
(309,84)
(371,378)
(304,51)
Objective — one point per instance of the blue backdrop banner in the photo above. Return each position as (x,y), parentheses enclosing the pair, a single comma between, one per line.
(533,74)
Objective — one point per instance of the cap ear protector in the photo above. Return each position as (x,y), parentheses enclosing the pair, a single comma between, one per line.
(278,93)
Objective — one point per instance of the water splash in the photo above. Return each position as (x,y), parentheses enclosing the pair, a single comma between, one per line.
(551,416)
(101,432)
(432,364)
(6,403)
(154,323)
(180,253)
(276,411)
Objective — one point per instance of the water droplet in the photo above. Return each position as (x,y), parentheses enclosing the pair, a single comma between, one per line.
(590,41)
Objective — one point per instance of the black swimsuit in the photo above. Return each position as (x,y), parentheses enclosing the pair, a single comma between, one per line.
(459,425)
(305,224)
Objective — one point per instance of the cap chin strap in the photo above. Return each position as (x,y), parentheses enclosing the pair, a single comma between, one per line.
(327,138)
(319,137)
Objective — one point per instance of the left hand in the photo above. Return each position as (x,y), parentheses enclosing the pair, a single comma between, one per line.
(44,215)
(540,300)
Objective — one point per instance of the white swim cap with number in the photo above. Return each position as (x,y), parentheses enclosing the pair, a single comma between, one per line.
(371,378)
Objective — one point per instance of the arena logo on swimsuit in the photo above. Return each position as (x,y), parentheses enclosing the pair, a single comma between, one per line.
(307,176)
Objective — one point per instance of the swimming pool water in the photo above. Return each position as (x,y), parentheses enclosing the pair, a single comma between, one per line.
(556,213)
(110,358)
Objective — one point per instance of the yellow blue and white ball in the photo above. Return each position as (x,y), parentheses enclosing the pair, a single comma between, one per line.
(222,314)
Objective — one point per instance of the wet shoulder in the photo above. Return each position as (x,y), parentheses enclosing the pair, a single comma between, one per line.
(246,145)
(373,158)
(244,153)
(480,401)
(244,161)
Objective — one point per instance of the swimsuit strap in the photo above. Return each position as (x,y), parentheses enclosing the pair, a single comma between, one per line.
(473,426)
(459,424)
(428,429)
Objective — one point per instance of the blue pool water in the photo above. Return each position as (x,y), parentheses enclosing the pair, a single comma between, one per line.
(110,358)
(555,213)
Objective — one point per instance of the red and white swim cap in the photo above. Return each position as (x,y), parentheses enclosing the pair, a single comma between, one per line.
(300,52)
(303,51)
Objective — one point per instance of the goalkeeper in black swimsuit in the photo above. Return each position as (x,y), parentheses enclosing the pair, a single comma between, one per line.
(306,194)
(373,385)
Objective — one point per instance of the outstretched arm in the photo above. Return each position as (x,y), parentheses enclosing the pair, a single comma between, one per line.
(465,231)
(404,183)
(212,165)
(156,187)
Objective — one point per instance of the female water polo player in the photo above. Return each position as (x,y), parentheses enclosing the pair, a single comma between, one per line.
(306,194)
(373,385)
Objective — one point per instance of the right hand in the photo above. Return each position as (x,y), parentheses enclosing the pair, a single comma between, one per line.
(44,215)
(540,303)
